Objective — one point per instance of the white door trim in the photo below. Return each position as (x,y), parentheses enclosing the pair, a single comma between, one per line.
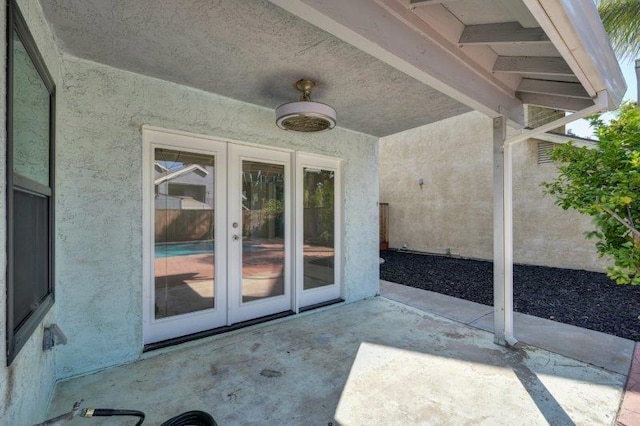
(326,293)
(294,163)
(155,330)
(239,311)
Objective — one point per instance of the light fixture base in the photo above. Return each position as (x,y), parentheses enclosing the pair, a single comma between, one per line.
(305,115)
(305,86)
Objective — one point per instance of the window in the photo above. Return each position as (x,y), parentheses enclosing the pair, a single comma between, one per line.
(30,170)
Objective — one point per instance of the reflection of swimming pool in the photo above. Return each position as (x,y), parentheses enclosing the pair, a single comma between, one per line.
(164,250)
(183,249)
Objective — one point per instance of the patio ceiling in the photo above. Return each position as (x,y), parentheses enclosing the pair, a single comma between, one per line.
(493,55)
(385,65)
(249,50)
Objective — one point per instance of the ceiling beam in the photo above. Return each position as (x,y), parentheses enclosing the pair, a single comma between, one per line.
(426,2)
(393,34)
(519,11)
(576,31)
(544,87)
(532,65)
(504,33)
(556,102)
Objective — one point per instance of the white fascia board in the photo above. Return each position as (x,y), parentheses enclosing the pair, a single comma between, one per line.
(576,30)
(389,32)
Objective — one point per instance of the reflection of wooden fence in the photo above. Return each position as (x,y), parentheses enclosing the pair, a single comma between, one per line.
(384,226)
(256,224)
(183,225)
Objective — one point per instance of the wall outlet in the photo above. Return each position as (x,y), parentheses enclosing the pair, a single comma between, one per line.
(404,245)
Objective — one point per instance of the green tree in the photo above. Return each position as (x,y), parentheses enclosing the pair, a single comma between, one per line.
(604,183)
(620,19)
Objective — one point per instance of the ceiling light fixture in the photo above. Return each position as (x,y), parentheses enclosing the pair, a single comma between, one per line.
(305,115)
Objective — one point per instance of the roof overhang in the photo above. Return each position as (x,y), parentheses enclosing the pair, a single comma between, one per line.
(385,65)
(169,175)
(441,43)
(562,139)
(575,28)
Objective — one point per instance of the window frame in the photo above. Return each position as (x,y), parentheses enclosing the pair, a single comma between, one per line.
(17,337)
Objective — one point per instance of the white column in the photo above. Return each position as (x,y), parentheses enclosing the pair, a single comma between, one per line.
(503,213)
(502,236)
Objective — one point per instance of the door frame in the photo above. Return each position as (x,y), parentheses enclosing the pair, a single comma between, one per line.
(306,298)
(294,266)
(239,311)
(155,330)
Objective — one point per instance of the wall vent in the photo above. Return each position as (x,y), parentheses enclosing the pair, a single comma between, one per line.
(544,152)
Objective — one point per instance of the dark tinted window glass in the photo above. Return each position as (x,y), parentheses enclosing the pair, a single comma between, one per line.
(30,254)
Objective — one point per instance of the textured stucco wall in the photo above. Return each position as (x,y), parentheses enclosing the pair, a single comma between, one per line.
(454,209)
(27,385)
(99,209)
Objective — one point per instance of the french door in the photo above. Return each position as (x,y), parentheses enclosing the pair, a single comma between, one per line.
(259,244)
(217,222)
(219,243)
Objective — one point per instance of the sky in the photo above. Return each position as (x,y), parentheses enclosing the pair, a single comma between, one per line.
(581,127)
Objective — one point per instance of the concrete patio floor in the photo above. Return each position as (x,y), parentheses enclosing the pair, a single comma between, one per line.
(377,361)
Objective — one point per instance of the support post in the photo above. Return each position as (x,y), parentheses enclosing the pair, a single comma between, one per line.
(503,214)
(502,236)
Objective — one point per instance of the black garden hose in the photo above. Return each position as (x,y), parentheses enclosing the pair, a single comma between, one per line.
(108,412)
(191,418)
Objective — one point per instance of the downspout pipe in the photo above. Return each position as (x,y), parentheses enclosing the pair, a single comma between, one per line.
(638,80)
(601,103)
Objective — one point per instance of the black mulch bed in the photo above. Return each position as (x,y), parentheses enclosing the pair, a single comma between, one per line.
(582,298)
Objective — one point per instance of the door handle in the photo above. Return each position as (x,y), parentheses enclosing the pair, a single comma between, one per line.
(236,237)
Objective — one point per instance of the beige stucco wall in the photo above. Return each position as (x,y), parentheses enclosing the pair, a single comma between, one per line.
(454,208)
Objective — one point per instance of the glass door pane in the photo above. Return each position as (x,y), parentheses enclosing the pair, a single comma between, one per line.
(319,224)
(184,255)
(263,230)
(259,232)
(319,229)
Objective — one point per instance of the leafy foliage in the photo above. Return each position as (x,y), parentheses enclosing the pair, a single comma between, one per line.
(319,196)
(272,207)
(620,19)
(604,183)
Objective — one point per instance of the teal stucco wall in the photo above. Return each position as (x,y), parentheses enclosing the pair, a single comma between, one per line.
(27,385)
(100,114)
